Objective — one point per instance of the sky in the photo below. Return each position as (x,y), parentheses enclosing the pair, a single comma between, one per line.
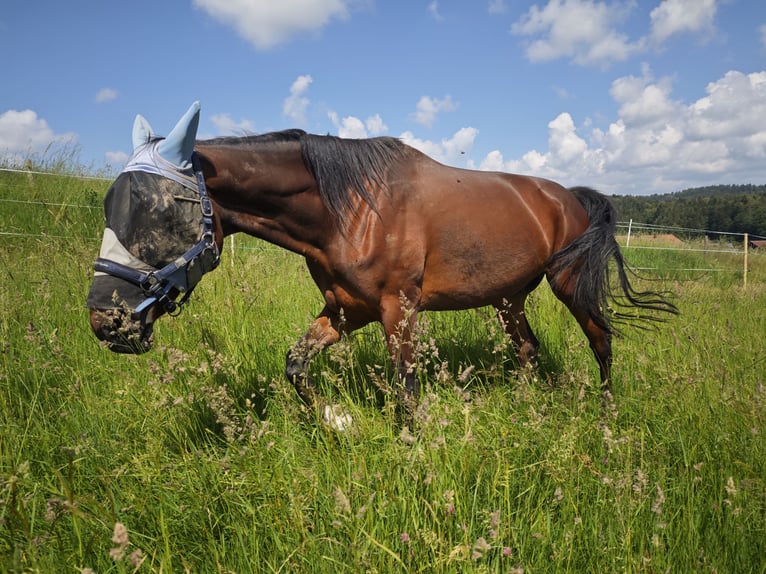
(627,96)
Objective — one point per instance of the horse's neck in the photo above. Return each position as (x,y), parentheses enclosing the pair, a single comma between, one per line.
(268,195)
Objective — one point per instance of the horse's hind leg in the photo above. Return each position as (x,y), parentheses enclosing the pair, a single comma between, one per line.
(514,319)
(591,321)
(324,331)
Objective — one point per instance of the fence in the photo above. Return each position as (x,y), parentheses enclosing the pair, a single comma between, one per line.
(732,251)
(715,252)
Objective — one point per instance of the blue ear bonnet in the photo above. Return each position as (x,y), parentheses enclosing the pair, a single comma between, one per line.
(171,156)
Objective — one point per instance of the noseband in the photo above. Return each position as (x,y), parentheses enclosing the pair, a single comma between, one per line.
(183,274)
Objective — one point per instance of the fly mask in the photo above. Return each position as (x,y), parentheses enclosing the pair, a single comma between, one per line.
(155,210)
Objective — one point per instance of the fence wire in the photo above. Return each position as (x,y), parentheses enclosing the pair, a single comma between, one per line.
(635,232)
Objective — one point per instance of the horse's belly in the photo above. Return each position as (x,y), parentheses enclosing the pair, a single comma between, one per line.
(469,287)
(474,267)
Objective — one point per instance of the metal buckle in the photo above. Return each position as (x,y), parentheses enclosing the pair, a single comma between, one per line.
(207,206)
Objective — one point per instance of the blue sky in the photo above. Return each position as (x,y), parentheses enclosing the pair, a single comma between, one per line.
(630,97)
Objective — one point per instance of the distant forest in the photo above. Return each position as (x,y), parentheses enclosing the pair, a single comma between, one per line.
(730,208)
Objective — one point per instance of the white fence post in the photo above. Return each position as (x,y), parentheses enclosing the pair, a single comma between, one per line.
(744,274)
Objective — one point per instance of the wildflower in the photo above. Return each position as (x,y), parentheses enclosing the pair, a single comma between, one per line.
(480,547)
(407,437)
(658,502)
(641,482)
(463,377)
(136,558)
(438,442)
(342,504)
(731,491)
(507,551)
(494,524)
(404,537)
(494,519)
(449,500)
(120,536)
(120,540)
(54,507)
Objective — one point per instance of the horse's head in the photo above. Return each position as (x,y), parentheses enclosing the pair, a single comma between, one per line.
(158,240)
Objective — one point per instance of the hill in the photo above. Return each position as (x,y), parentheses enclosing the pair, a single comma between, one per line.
(727,208)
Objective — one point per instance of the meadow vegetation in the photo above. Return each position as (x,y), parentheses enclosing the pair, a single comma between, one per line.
(199,456)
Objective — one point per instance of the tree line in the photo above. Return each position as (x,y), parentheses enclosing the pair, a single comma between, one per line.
(729,208)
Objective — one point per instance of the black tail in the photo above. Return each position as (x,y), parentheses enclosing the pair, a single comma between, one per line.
(588,257)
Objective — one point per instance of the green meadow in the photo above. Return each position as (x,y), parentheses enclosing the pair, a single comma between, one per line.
(199,456)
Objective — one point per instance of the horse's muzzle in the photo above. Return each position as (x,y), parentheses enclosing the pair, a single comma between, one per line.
(122,331)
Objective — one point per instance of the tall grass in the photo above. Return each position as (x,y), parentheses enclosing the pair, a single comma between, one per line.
(199,456)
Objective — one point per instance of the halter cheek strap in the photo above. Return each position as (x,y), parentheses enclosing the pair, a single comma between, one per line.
(181,275)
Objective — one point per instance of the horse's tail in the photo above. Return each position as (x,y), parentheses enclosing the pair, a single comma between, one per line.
(586,262)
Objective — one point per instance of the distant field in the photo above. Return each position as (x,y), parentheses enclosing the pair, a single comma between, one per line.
(204,454)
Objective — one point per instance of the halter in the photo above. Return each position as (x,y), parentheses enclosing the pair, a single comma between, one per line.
(186,271)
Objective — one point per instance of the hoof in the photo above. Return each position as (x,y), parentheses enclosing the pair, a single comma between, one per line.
(336,418)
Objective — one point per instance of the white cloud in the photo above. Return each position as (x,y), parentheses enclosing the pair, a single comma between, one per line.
(353,127)
(561,92)
(449,150)
(375,125)
(642,101)
(295,105)
(713,139)
(564,142)
(427,109)
(227,126)
(433,9)
(587,31)
(24,132)
(583,30)
(266,23)
(497,7)
(116,158)
(493,161)
(106,95)
(734,105)
(672,17)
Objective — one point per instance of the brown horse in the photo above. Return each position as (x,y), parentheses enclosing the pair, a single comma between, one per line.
(386,232)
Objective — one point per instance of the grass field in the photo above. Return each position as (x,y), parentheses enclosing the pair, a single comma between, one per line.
(199,457)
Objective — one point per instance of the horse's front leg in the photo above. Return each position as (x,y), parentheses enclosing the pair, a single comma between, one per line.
(399,318)
(324,331)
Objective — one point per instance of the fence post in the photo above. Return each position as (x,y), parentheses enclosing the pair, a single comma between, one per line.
(630,226)
(744,273)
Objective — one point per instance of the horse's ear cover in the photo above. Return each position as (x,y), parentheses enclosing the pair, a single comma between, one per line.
(142,132)
(177,148)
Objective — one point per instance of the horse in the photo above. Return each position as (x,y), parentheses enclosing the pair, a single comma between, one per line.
(386,232)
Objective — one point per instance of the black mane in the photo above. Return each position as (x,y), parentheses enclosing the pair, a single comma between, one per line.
(340,166)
